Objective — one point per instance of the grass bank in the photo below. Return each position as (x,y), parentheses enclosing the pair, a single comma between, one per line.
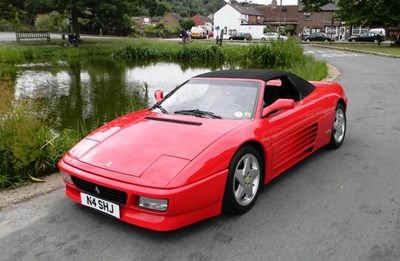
(30,148)
(370,48)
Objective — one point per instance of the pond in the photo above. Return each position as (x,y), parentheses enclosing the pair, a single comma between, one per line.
(96,90)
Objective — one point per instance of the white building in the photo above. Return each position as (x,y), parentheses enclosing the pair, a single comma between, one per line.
(238,17)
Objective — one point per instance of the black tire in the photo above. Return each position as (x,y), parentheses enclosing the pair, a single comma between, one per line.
(308,40)
(339,127)
(244,181)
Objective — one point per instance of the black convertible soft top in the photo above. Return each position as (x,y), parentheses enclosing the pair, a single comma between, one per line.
(303,86)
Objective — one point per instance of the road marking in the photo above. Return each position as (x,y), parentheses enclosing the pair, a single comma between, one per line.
(334,53)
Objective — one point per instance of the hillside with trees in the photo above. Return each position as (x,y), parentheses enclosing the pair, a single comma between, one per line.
(112,16)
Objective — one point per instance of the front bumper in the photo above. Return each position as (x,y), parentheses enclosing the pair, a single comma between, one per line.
(186,205)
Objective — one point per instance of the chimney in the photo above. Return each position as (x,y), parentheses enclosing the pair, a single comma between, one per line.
(234,2)
(274,4)
(245,3)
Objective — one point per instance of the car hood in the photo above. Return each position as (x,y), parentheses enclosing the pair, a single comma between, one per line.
(149,142)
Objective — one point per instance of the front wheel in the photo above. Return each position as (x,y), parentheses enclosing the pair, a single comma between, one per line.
(244,181)
(339,127)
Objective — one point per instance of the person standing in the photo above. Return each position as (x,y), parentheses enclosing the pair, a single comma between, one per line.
(184,35)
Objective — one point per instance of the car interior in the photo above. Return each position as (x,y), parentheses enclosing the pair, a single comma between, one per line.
(280,88)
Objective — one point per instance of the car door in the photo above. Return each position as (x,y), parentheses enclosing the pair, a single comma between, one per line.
(292,132)
(318,37)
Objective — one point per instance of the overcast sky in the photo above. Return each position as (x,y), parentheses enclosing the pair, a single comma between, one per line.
(267,2)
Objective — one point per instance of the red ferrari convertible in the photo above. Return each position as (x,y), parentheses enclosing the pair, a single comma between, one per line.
(206,147)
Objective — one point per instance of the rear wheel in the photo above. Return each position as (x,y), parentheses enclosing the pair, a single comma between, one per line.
(244,181)
(308,40)
(339,127)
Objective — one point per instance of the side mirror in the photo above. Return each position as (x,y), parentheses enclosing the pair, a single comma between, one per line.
(159,95)
(280,104)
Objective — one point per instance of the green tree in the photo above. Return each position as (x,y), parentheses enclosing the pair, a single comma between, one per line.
(365,12)
(10,13)
(163,8)
(187,24)
(53,22)
(113,17)
(370,13)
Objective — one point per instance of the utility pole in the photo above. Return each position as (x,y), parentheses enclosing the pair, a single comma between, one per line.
(280,16)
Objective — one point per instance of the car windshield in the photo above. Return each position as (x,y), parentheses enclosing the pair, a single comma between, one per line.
(218,99)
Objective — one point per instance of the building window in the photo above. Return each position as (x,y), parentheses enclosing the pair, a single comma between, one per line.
(232,32)
(357,30)
(331,30)
(307,16)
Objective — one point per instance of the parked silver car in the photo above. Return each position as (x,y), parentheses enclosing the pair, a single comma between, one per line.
(272,36)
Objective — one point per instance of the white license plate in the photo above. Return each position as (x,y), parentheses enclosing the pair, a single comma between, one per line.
(100,204)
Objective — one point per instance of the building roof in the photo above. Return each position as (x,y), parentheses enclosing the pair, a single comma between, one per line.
(246,9)
(288,14)
(328,7)
(177,16)
(205,18)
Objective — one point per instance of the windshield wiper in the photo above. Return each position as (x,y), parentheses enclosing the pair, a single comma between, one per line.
(158,106)
(198,113)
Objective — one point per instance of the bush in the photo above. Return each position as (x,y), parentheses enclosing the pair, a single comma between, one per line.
(5,25)
(275,54)
(28,147)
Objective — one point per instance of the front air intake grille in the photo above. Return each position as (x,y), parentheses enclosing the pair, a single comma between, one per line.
(110,194)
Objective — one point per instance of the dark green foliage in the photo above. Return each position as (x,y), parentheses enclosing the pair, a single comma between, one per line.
(137,52)
(112,16)
(275,54)
(193,7)
(28,147)
(384,13)
(362,12)
(187,24)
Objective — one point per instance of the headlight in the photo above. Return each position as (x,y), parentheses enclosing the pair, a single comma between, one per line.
(153,203)
(66,177)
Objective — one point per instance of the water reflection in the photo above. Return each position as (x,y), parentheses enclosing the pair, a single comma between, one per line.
(95,91)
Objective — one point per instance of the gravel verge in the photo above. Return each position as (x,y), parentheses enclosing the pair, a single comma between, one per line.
(10,197)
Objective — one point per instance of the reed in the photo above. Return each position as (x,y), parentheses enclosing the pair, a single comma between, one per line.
(29,148)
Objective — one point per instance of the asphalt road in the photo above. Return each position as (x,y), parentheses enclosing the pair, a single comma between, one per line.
(335,205)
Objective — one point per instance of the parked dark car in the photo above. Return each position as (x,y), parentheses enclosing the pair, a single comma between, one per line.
(241,36)
(365,37)
(318,37)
